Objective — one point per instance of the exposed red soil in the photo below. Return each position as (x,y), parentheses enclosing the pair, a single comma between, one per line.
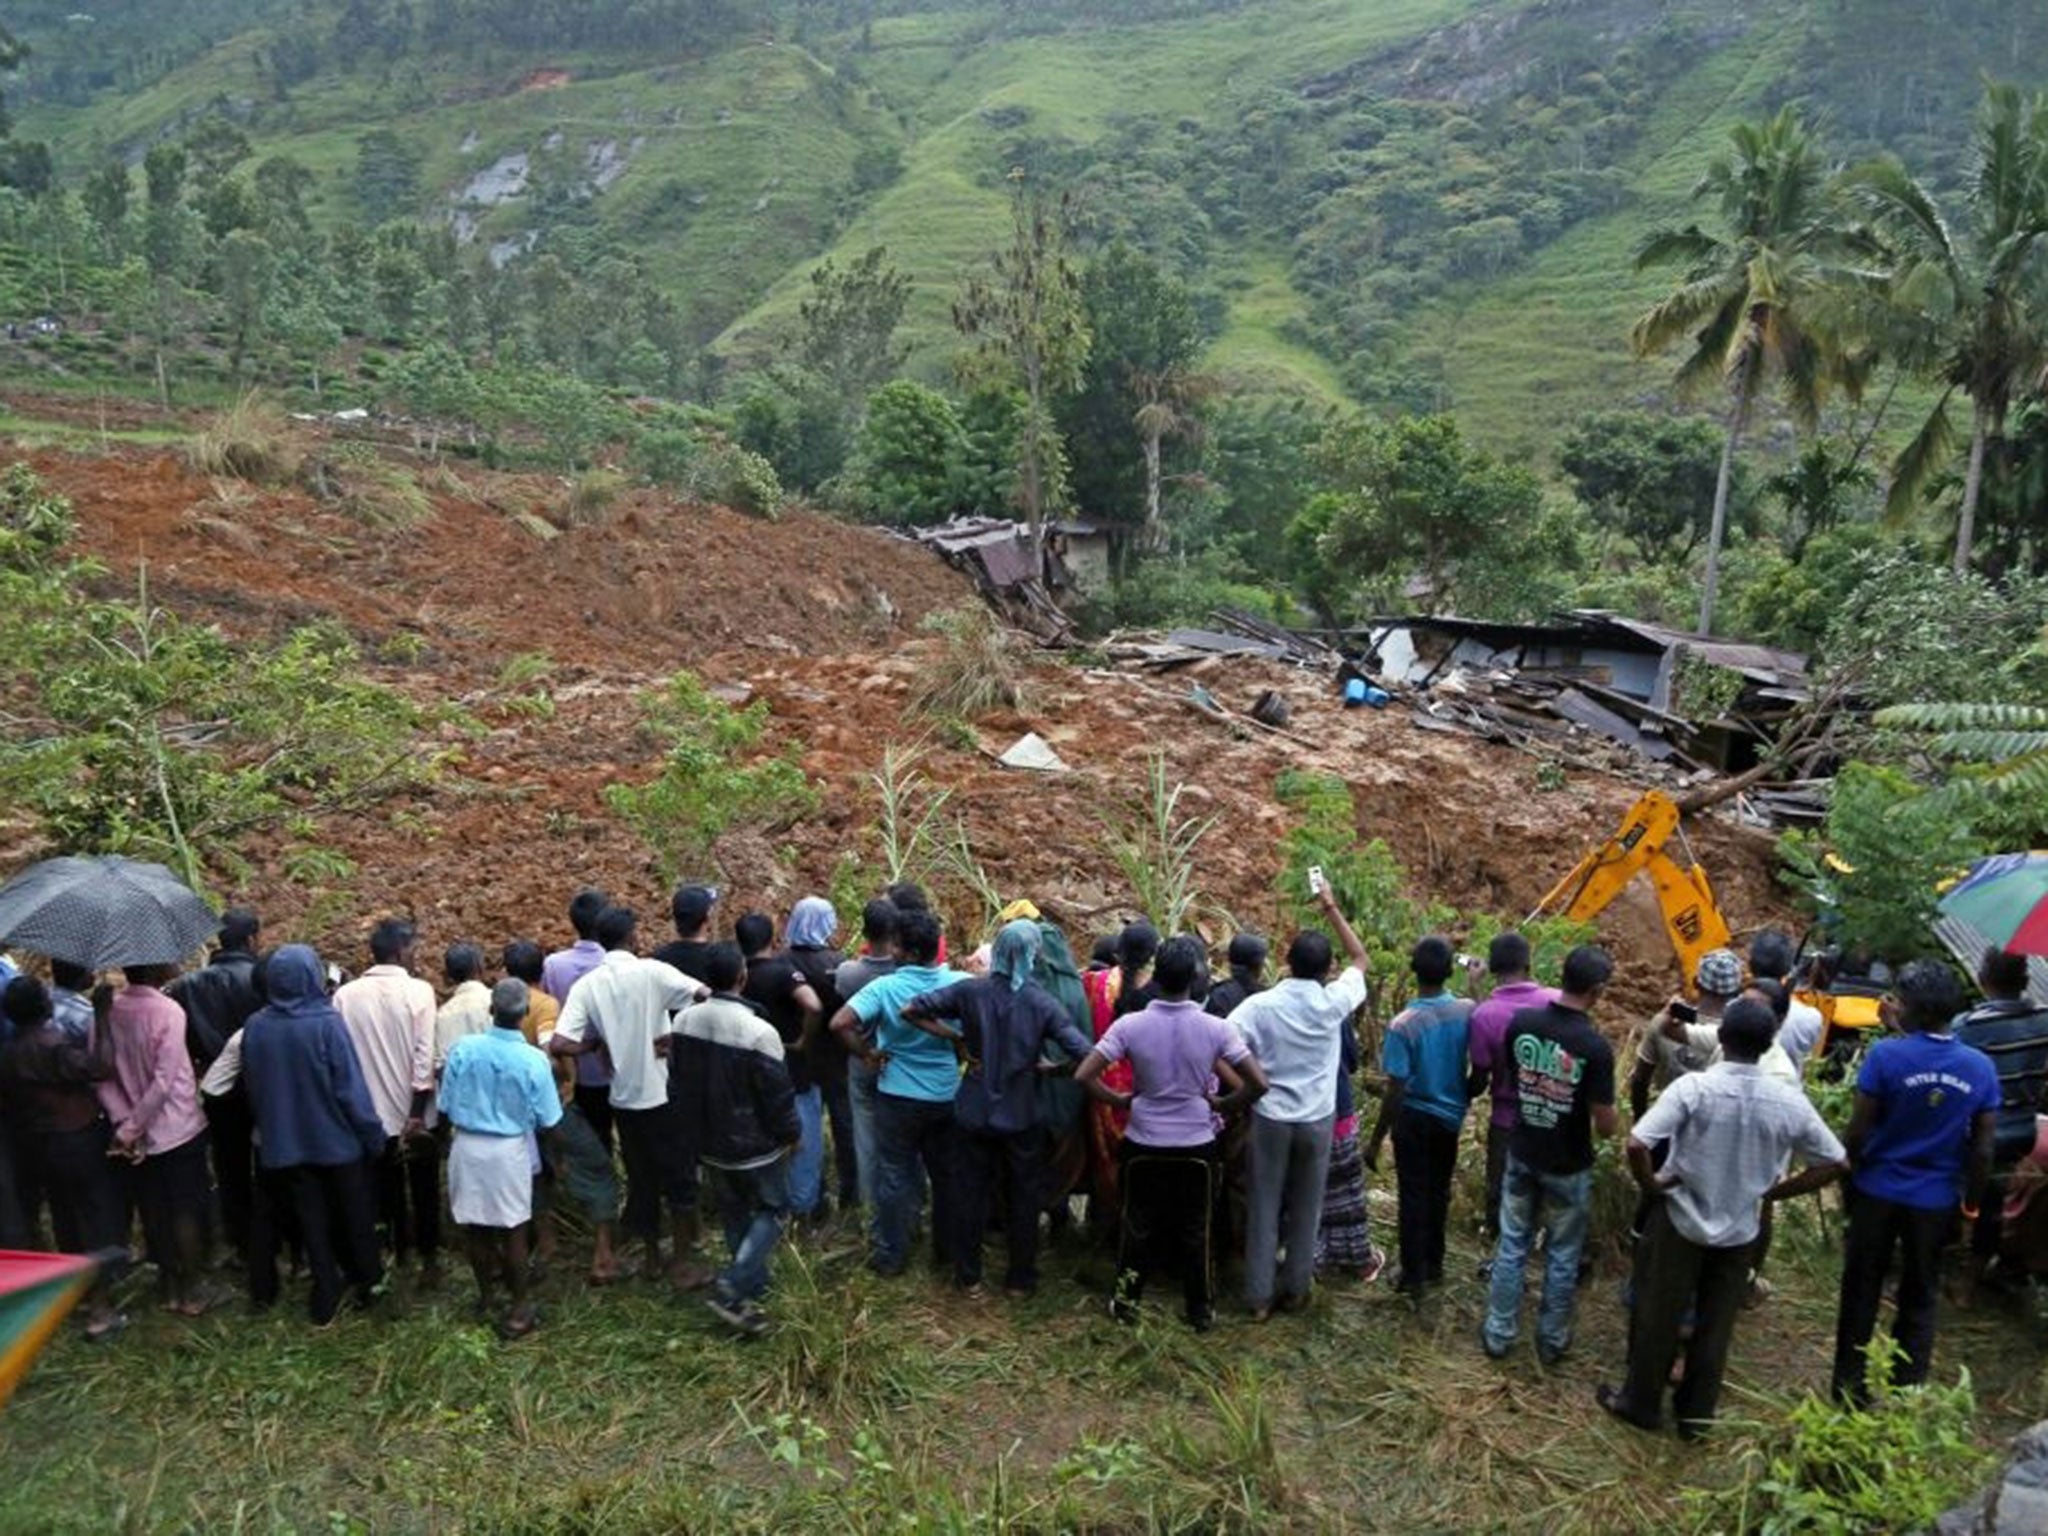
(820,621)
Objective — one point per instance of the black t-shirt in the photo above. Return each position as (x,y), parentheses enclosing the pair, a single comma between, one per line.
(772,981)
(1563,1068)
(687,956)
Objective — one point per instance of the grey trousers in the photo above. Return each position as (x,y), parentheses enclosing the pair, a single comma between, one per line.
(1290,1163)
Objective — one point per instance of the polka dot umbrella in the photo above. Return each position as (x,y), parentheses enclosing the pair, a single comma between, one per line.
(104,913)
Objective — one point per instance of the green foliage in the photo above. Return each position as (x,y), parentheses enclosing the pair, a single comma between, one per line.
(1420,501)
(1145,338)
(1897,628)
(908,459)
(848,326)
(142,733)
(1998,757)
(1895,1465)
(1367,880)
(1029,327)
(797,421)
(715,777)
(1893,844)
(1649,479)
(1154,847)
(34,523)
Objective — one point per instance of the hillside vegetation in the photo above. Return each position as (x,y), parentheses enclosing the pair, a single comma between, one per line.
(1423,203)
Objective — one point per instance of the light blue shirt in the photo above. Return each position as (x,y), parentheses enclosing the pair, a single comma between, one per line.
(920,1066)
(495,1084)
(1427,1048)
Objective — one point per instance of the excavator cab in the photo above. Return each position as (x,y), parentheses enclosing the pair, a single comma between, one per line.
(1849,1004)
(1639,847)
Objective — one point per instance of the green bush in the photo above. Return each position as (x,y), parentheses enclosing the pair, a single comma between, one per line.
(1894,1466)
(713,777)
(140,732)
(1892,843)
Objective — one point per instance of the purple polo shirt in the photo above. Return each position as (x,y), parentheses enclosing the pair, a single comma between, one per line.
(558,973)
(1172,1049)
(1487,1043)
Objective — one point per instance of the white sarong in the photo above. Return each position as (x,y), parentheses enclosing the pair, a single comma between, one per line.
(490,1180)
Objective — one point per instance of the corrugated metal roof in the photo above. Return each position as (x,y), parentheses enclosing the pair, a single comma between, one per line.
(1759,661)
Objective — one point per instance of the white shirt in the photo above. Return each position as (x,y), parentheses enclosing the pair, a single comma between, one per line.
(1801,1031)
(467,1012)
(1731,1130)
(1296,1031)
(1704,1040)
(628,1003)
(390,1019)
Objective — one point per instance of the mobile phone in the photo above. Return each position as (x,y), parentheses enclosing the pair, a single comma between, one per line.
(1685,1013)
(1468,962)
(1317,885)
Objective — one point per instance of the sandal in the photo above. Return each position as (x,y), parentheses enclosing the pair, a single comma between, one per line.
(514,1328)
(108,1330)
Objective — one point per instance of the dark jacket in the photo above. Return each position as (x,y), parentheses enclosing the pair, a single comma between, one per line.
(1225,996)
(727,1076)
(305,1086)
(1004,1032)
(217,1001)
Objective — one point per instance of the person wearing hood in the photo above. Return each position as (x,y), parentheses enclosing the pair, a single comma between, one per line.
(813,924)
(1000,1024)
(317,1137)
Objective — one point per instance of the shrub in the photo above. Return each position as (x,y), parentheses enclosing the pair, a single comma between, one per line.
(1155,846)
(974,671)
(591,495)
(1893,1466)
(713,777)
(250,440)
(1892,845)
(143,733)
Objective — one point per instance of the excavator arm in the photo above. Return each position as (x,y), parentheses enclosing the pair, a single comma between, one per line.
(1685,900)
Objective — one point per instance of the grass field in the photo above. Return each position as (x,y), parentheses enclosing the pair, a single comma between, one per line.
(896,1405)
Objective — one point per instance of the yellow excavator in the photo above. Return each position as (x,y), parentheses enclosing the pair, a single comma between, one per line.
(1685,899)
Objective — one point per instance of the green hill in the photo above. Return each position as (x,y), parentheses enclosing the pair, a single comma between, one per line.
(1415,203)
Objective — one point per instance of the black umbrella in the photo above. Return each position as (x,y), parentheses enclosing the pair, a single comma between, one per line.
(104,913)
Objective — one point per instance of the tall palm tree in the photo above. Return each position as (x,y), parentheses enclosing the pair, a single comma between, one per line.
(1754,293)
(1969,307)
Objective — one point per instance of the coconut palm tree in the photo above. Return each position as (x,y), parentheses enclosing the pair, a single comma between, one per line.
(1753,297)
(2003,748)
(1969,306)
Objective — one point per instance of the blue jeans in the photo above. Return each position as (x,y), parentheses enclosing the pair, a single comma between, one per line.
(1563,1202)
(807,1171)
(752,1203)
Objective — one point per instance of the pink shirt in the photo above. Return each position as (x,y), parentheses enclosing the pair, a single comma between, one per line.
(152,1095)
(390,1019)
(1486,1041)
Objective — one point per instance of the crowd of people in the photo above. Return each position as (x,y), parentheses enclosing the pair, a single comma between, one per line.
(268,1102)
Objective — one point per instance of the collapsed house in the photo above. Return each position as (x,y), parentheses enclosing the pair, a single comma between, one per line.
(1645,701)
(1665,695)
(1022,583)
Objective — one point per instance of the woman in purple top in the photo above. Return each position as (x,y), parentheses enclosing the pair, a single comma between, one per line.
(1507,961)
(1168,1157)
